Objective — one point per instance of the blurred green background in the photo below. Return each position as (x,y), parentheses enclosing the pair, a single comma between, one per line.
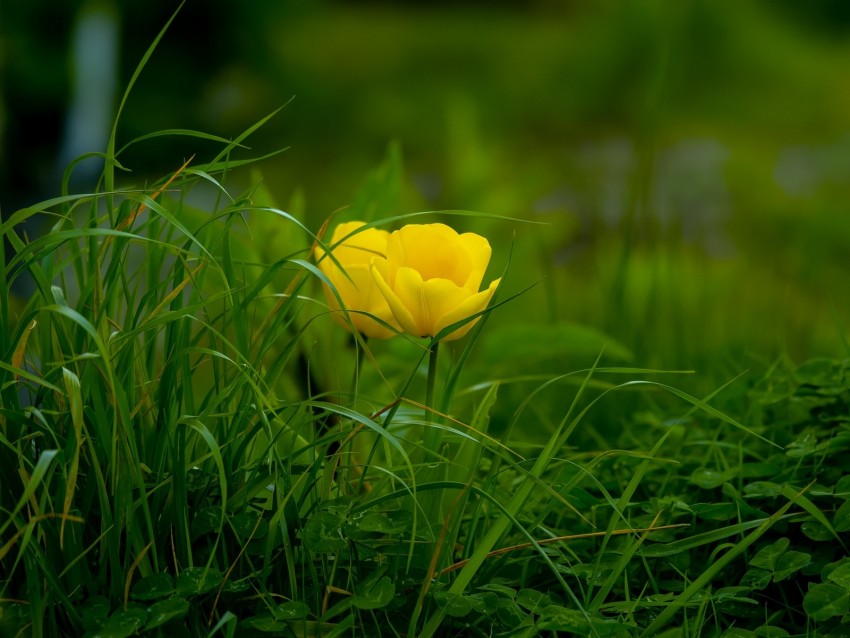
(688,162)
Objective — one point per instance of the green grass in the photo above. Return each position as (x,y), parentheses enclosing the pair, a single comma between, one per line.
(191,446)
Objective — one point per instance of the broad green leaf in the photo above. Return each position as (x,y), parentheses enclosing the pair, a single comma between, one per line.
(816,531)
(770,631)
(709,479)
(323,533)
(374,595)
(841,575)
(510,592)
(789,563)
(842,488)
(94,611)
(756,578)
(247,526)
(292,610)
(532,600)
(821,372)
(805,445)
(558,618)
(573,622)
(167,610)
(153,587)
(825,600)
(767,556)
(485,602)
(197,580)
(206,520)
(827,568)
(509,613)
(268,624)
(383,522)
(122,623)
(841,520)
(455,605)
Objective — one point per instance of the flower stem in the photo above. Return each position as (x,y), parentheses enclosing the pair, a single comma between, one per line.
(431,438)
(432,377)
(358,364)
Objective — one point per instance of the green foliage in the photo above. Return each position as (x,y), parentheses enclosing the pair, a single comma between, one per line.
(173,458)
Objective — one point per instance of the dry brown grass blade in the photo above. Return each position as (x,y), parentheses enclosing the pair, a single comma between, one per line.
(177,290)
(20,349)
(232,567)
(11,542)
(125,223)
(132,571)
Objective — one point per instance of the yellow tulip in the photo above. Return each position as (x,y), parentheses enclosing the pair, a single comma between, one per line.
(358,291)
(430,278)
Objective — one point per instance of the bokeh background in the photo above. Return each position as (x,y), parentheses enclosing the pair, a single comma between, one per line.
(686,164)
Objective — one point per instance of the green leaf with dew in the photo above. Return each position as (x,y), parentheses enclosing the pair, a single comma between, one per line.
(840,575)
(122,623)
(826,600)
(767,556)
(197,580)
(166,611)
(94,611)
(374,595)
(709,479)
(455,605)
(153,587)
(789,563)
(323,533)
(841,519)
(532,600)
(291,610)
(815,531)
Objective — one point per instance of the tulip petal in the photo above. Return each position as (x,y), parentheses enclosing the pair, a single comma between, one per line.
(359,295)
(409,289)
(350,275)
(360,248)
(470,306)
(439,298)
(478,250)
(402,315)
(433,250)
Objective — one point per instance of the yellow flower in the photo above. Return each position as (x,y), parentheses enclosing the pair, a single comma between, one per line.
(357,291)
(430,278)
